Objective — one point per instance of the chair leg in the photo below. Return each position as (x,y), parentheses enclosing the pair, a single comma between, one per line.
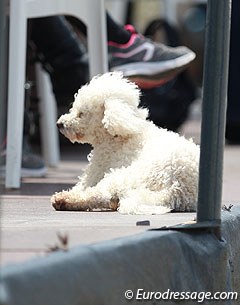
(49,132)
(16,80)
(3,72)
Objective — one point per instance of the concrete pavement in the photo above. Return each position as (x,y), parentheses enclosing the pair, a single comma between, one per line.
(29,225)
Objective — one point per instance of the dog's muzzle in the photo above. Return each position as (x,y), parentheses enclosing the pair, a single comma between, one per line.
(68,133)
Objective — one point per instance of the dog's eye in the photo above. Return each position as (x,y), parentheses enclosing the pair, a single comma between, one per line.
(80,114)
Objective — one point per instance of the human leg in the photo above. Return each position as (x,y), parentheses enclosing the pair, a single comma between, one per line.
(233,110)
(147,63)
(62,54)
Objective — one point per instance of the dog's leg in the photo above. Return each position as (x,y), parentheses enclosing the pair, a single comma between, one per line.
(74,201)
(145,201)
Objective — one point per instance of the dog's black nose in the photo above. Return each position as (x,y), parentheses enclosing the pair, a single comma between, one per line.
(60,125)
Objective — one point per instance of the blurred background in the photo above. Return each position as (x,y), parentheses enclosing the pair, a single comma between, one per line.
(172,22)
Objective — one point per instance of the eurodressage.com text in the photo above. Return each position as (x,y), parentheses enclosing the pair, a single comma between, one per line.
(199,297)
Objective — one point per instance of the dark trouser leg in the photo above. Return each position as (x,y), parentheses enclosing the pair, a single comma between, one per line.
(116,32)
(233,110)
(62,55)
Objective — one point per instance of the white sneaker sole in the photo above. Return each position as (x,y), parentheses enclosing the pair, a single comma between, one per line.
(149,69)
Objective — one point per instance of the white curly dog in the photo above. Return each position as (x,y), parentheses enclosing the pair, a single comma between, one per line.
(134,167)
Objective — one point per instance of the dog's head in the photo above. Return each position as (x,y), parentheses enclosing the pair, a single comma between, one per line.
(107,105)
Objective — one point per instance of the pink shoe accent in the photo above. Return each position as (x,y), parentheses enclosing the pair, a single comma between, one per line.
(146,47)
(130,28)
(125,45)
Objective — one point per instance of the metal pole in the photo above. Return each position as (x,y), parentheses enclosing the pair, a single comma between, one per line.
(214,106)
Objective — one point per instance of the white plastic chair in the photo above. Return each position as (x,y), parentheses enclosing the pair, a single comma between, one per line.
(92,13)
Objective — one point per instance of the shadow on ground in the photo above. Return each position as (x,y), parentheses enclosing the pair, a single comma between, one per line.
(33,189)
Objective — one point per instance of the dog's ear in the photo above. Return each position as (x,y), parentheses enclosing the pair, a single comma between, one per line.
(122,119)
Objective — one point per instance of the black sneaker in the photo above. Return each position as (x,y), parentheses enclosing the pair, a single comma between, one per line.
(148,63)
(232,134)
(32,164)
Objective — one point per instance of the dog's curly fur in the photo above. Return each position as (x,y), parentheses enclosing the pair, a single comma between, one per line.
(135,167)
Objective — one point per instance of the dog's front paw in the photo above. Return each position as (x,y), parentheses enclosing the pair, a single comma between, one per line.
(69,201)
(66,201)
(60,201)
